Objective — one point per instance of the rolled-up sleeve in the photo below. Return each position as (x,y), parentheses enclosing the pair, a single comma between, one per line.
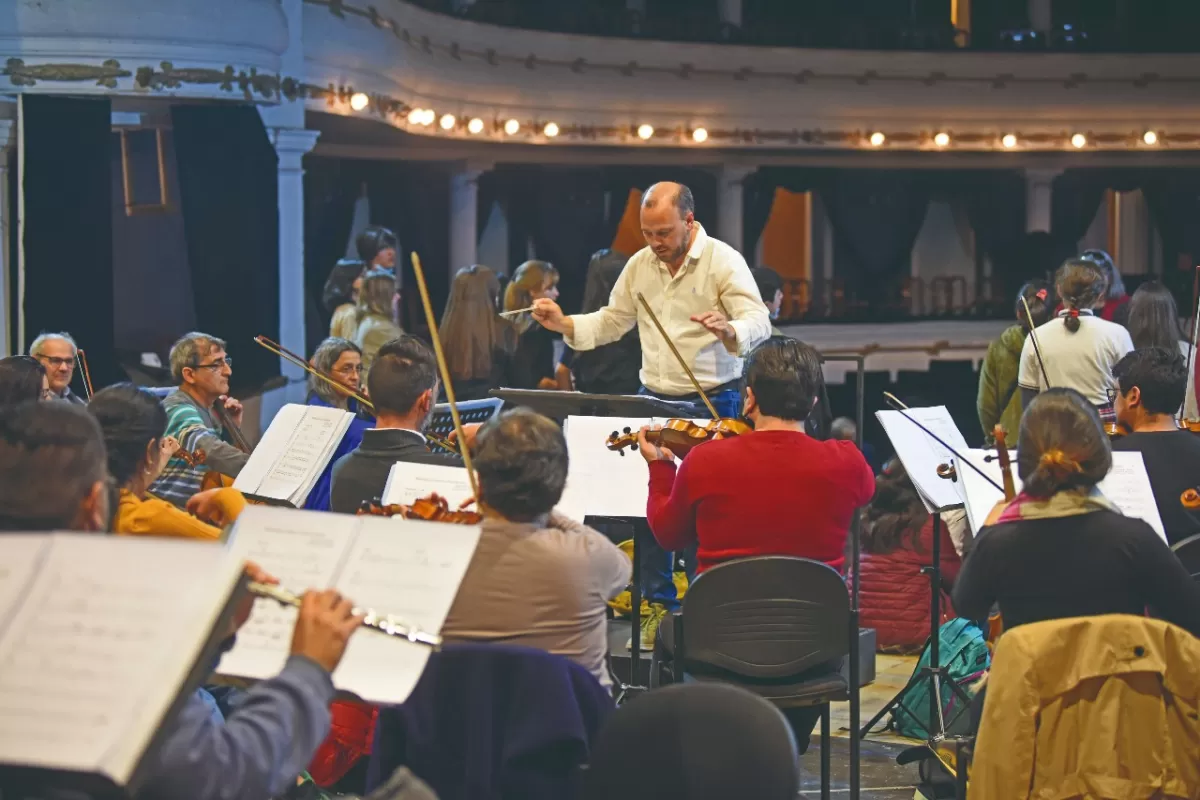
(748,315)
(611,322)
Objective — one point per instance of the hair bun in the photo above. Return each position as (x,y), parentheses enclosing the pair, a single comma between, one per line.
(1058,465)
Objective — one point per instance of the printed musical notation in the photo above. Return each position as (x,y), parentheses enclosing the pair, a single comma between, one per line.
(293,451)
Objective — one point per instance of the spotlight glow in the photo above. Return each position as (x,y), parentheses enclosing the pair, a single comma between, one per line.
(448,122)
(941,139)
(551,129)
(359,101)
(1150,138)
(700,135)
(1009,141)
(475,125)
(511,127)
(644,132)
(877,139)
(1079,141)
(429,117)
(415,116)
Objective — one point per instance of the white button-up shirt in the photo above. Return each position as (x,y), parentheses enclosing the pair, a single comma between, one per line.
(713,277)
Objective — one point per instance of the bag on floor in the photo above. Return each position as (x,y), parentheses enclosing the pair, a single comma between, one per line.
(963,650)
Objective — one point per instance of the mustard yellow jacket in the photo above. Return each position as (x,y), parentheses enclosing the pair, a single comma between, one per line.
(1091,707)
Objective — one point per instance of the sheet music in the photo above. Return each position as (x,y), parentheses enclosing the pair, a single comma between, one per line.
(293,452)
(110,630)
(1127,486)
(921,454)
(409,569)
(20,555)
(600,481)
(408,482)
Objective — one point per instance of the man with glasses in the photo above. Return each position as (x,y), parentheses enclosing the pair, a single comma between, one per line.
(56,352)
(202,369)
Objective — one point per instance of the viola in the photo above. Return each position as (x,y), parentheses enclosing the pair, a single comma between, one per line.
(433,508)
(679,435)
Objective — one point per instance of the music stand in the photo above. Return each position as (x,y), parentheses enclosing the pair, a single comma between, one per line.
(560,405)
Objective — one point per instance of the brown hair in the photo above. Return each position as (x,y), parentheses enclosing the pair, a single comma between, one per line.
(375,296)
(895,513)
(1062,444)
(471,330)
(530,277)
(1080,284)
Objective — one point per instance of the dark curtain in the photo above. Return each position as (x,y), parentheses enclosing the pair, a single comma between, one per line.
(1075,199)
(413,199)
(759,196)
(14,191)
(228,186)
(995,205)
(331,188)
(68,227)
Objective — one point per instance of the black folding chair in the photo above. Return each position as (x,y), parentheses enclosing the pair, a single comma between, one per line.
(776,625)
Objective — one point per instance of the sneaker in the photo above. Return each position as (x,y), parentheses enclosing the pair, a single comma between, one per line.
(650,623)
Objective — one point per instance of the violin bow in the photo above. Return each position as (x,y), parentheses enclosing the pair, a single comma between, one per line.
(288,355)
(1033,336)
(85,373)
(431,321)
(678,357)
(895,403)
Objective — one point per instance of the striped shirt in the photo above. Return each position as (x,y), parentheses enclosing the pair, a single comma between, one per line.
(196,430)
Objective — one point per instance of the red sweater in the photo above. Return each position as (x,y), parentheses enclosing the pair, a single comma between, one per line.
(779,493)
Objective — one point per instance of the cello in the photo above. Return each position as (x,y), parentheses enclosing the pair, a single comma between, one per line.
(995,621)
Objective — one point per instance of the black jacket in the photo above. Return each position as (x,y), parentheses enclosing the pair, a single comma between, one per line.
(361,474)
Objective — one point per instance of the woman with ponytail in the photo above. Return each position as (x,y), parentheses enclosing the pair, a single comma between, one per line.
(1060,548)
(133,422)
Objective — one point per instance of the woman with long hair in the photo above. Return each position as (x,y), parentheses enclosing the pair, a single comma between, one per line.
(532,364)
(998,400)
(475,338)
(1061,548)
(342,361)
(611,368)
(23,380)
(340,297)
(1153,321)
(1077,349)
(134,423)
(897,540)
(376,325)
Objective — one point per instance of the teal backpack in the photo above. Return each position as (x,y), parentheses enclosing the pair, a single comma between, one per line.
(963,651)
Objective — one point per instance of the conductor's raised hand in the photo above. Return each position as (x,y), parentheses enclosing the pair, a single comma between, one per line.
(652,452)
(323,628)
(716,324)
(549,315)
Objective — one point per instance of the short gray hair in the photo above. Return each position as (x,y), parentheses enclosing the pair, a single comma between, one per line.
(35,349)
(188,351)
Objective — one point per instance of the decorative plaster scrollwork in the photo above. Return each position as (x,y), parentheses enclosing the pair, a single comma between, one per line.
(106,74)
(248,81)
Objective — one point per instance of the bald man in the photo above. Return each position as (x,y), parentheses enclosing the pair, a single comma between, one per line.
(701,291)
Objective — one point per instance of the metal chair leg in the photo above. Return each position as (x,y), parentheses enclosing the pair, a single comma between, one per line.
(826,745)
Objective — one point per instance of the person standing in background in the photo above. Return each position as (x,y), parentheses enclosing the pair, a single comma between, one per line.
(477,341)
(1113,306)
(611,368)
(1153,321)
(998,400)
(770,287)
(376,247)
(376,325)
(340,297)
(532,364)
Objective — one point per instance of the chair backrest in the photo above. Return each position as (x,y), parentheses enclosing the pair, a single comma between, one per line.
(160,392)
(1188,551)
(766,617)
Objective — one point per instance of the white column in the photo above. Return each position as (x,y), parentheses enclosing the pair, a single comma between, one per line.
(1040,17)
(291,144)
(464,215)
(731,12)
(731,204)
(1038,189)
(8,138)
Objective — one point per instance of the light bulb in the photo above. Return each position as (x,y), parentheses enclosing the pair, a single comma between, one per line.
(700,135)
(415,116)
(877,139)
(447,122)
(359,101)
(1078,141)
(511,127)
(941,139)
(644,132)
(550,130)
(1150,137)
(1009,141)
(475,125)
(429,117)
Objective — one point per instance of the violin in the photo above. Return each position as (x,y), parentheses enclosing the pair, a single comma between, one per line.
(679,435)
(1190,499)
(192,459)
(433,508)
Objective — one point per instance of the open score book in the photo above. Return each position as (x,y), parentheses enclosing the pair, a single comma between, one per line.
(292,453)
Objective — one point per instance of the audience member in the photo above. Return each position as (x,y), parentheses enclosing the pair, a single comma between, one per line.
(999,401)
(341,297)
(23,380)
(57,353)
(1153,321)
(611,368)
(844,429)
(1113,304)
(1061,549)
(133,423)
(537,578)
(532,364)
(403,386)
(200,366)
(897,543)
(770,286)
(376,323)
(1078,349)
(476,340)
(341,360)
(1150,383)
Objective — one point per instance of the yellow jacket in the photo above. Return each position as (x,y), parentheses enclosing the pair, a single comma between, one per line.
(156,517)
(1091,707)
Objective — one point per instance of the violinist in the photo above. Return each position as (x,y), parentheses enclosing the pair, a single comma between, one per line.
(1151,383)
(200,365)
(403,385)
(341,360)
(57,352)
(702,290)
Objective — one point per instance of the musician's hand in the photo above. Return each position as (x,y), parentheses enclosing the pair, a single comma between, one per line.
(652,452)
(550,316)
(205,505)
(470,431)
(234,407)
(548,383)
(168,446)
(716,324)
(323,628)
(255,574)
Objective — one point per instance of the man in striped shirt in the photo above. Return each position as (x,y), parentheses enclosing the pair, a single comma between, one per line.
(202,369)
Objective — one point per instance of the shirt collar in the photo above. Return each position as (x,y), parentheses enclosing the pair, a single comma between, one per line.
(391,437)
(697,248)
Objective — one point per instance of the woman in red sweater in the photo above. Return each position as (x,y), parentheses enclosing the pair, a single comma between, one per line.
(897,541)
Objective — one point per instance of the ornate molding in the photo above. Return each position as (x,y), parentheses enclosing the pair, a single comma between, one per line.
(249,82)
(106,74)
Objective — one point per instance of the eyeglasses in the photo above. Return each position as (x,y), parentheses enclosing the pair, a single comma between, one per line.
(354,370)
(224,362)
(57,362)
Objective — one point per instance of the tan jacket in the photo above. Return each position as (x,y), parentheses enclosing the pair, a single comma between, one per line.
(1091,707)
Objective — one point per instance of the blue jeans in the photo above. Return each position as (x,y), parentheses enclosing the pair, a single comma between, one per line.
(728,403)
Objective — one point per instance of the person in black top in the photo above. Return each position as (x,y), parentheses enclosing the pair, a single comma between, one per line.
(1151,383)
(532,363)
(611,368)
(475,339)
(1060,549)
(403,384)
